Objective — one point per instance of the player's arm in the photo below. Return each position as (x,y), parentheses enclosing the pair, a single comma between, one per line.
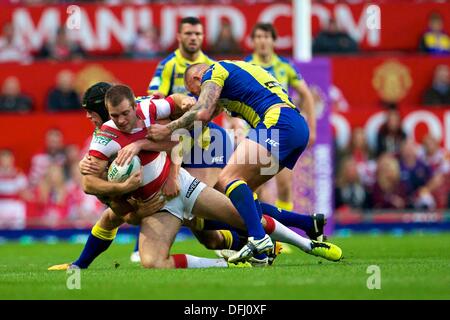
(307,107)
(204,110)
(94,184)
(161,81)
(129,151)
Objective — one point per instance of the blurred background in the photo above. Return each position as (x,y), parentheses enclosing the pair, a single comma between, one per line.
(379,73)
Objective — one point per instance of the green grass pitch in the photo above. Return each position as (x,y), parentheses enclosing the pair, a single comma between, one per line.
(411,267)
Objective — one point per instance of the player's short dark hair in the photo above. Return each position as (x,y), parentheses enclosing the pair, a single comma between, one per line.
(190,20)
(264,26)
(116,94)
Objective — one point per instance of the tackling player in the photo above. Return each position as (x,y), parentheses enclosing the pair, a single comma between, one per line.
(250,92)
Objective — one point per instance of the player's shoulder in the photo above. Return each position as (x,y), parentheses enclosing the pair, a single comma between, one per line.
(249,58)
(108,129)
(166,60)
(285,60)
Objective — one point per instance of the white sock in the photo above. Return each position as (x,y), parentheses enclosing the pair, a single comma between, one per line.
(284,234)
(198,262)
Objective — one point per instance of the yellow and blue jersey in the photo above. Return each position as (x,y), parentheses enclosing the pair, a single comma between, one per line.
(169,75)
(281,68)
(248,91)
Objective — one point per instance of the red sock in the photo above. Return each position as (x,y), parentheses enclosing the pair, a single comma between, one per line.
(270,224)
(180,261)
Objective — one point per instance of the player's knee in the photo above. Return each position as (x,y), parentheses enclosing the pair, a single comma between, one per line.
(152,262)
(132,218)
(224,179)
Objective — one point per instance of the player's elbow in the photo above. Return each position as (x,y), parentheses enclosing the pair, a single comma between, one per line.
(204,116)
(87,185)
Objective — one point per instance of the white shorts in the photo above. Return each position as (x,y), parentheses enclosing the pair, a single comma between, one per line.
(190,188)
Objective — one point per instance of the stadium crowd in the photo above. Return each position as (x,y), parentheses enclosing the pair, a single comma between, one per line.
(396,173)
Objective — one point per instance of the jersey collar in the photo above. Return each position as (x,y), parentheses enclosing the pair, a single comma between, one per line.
(201,58)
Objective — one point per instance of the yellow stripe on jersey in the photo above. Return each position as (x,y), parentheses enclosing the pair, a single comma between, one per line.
(247,90)
(165,86)
(272,117)
(261,76)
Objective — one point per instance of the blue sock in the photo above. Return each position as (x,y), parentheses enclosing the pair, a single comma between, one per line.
(288,218)
(242,198)
(258,205)
(99,240)
(136,245)
(92,249)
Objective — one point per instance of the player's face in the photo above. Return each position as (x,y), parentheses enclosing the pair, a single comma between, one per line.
(94,118)
(123,115)
(263,43)
(190,37)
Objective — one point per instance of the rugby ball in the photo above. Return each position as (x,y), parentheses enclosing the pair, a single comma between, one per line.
(118,173)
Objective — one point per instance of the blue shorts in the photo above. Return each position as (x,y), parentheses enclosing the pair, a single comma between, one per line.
(211,148)
(284,133)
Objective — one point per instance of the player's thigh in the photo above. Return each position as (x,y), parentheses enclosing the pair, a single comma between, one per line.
(250,162)
(208,176)
(213,205)
(156,237)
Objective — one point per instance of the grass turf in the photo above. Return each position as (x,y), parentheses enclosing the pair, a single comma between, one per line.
(412,267)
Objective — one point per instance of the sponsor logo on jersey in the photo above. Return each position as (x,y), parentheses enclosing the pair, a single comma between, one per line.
(192,187)
(272,84)
(102,140)
(218,159)
(273,143)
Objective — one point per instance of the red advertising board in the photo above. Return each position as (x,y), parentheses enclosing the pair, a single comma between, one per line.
(110,29)
(369,80)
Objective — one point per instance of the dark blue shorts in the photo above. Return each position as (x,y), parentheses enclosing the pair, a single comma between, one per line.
(284,133)
(211,148)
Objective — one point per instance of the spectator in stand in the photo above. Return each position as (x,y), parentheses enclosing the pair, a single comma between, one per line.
(11,99)
(146,45)
(359,151)
(51,197)
(54,153)
(433,155)
(439,92)
(73,157)
(13,192)
(334,40)
(391,134)
(82,209)
(415,175)
(10,50)
(435,40)
(349,191)
(63,97)
(226,43)
(62,48)
(388,191)
(438,159)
